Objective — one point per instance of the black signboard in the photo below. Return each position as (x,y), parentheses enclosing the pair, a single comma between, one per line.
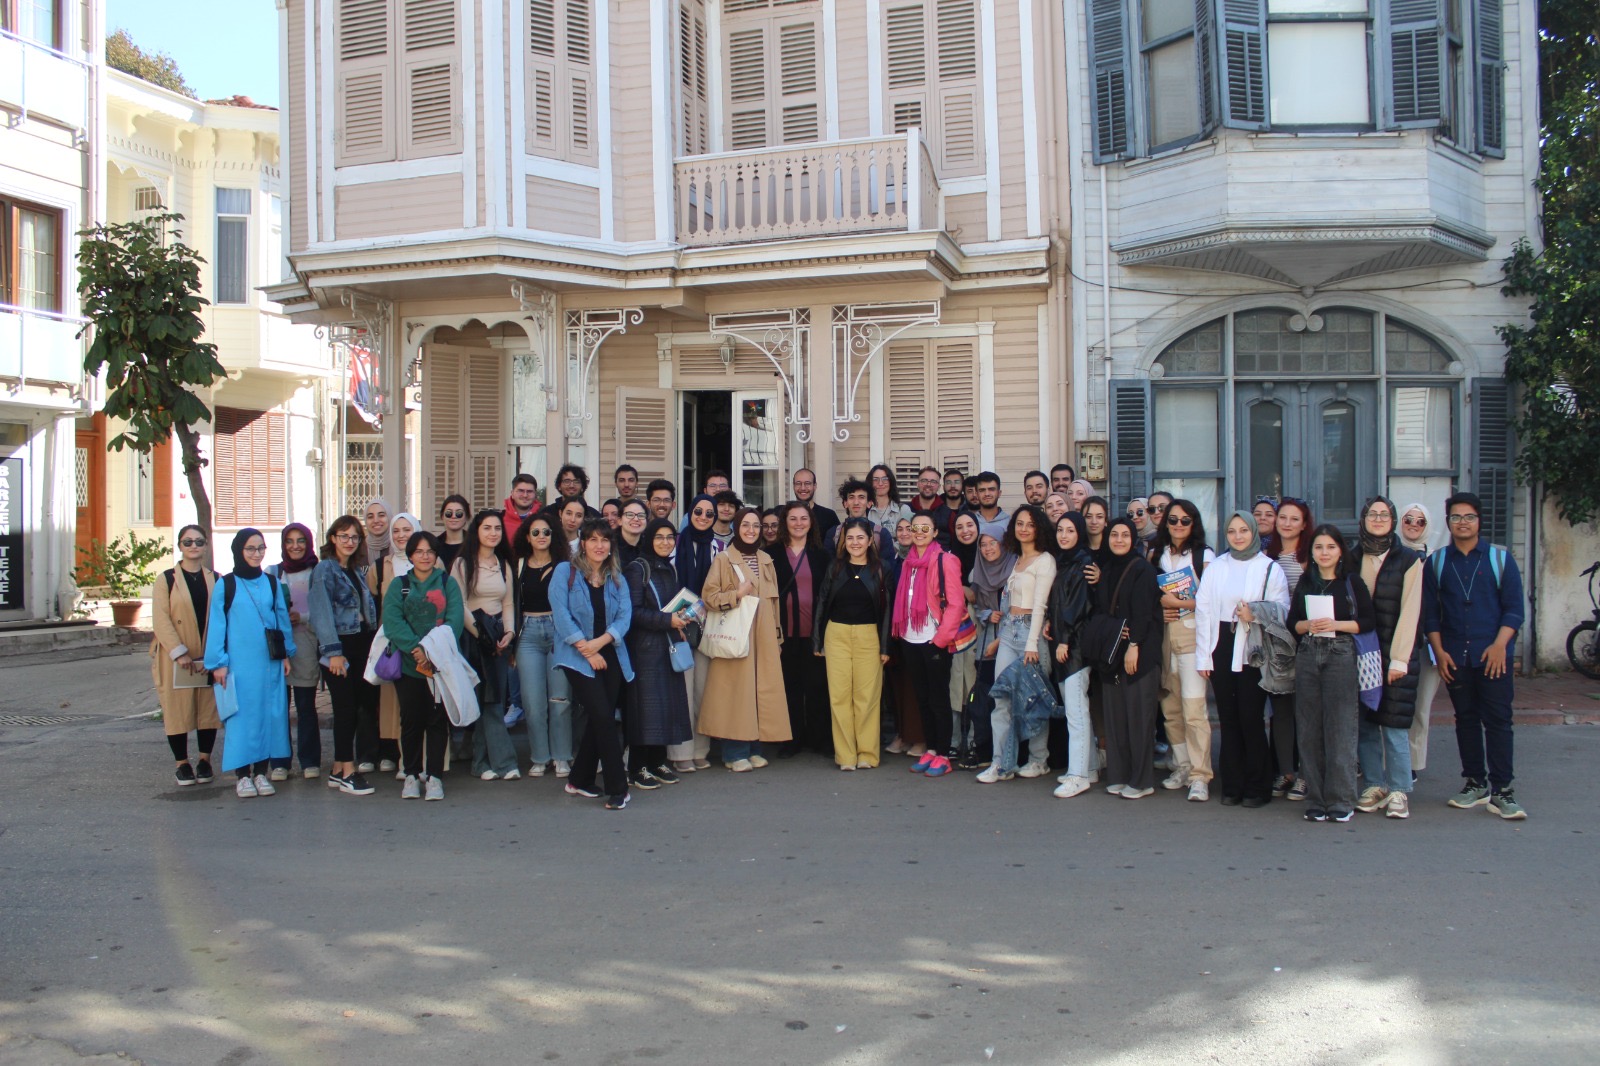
(12,510)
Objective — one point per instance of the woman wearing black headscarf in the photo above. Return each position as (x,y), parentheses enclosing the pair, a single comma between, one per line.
(655,707)
(242,664)
(1393,574)
(1127,590)
(698,544)
(1068,609)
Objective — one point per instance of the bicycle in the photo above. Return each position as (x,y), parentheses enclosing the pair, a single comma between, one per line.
(1583,643)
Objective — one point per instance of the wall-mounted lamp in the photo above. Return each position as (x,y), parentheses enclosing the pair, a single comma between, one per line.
(726,352)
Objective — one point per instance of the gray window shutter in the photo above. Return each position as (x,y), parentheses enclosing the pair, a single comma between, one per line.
(1491,471)
(1411,64)
(1108,71)
(1132,447)
(1205,57)
(1242,60)
(1489,77)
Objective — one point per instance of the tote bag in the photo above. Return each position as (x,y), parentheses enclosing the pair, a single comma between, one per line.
(1369,663)
(727,633)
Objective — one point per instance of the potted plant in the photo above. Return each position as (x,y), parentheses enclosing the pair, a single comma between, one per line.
(123,568)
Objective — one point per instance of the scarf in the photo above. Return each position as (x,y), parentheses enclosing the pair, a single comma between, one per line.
(397,551)
(989,579)
(915,572)
(694,550)
(966,554)
(378,546)
(1371,543)
(306,561)
(241,568)
(1414,545)
(1255,536)
(1080,547)
(1112,566)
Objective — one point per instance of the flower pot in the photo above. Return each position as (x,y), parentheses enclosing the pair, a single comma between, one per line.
(126,612)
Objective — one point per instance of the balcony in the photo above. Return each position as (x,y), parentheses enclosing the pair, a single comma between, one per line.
(40,347)
(42,82)
(876,185)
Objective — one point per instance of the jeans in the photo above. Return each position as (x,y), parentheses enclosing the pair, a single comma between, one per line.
(309,741)
(355,703)
(1385,754)
(1427,688)
(963,672)
(1013,641)
(491,744)
(546,696)
(734,750)
(1327,702)
(1483,720)
(1080,738)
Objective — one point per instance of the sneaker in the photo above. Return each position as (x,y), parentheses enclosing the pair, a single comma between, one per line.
(536,770)
(1297,791)
(1071,785)
(586,793)
(1373,799)
(1505,804)
(758,762)
(184,775)
(264,786)
(1472,794)
(279,773)
(664,774)
(355,785)
(1100,759)
(1094,777)
(245,788)
(863,764)
(1340,816)
(400,774)
(1280,786)
(1116,790)
(563,768)
(741,766)
(412,789)
(848,766)
(1179,778)
(701,764)
(488,775)
(896,747)
(645,780)
(365,768)
(387,765)
(311,773)
(916,751)
(202,771)
(1315,814)
(993,774)
(617,803)
(922,764)
(1199,792)
(1033,769)
(684,766)
(334,780)
(435,789)
(1131,793)
(1398,806)
(938,767)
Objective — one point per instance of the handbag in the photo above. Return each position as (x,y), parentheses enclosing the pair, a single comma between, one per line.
(966,636)
(679,652)
(1369,662)
(388,668)
(727,632)
(1104,636)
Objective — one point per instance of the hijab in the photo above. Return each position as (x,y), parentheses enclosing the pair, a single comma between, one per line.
(1113,565)
(1414,545)
(241,568)
(1371,543)
(647,543)
(1080,550)
(306,561)
(398,562)
(379,545)
(966,554)
(695,549)
(1255,536)
(989,579)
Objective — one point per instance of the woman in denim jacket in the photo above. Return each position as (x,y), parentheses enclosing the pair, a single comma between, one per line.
(344,617)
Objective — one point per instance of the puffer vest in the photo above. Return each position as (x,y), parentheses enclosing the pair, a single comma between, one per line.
(1399,703)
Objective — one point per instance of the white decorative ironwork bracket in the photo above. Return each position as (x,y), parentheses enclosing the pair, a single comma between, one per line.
(367,328)
(539,309)
(586,332)
(859,333)
(784,337)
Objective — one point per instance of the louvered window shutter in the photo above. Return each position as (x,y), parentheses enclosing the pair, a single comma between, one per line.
(1489,77)
(905,42)
(774,78)
(799,83)
(693,79)
(747,87)
(485,430)
(580,80)
(442,425)
(224,424)
(906,385)
(275,498)
(559,78)
(1242,62)
(431,74)
(1492,474)
(365,82)
(646,431)
(1108,53)
(1411,35)
(955,394)
(1131,444)
(958,142)
(1205,63)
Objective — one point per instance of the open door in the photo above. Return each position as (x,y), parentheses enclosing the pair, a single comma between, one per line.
(758,448)
(647,432)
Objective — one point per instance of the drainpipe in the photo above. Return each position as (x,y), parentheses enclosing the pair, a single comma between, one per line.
(1530,647)
(1105,302)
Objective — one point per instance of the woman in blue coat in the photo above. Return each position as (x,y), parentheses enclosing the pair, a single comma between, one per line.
(238,658)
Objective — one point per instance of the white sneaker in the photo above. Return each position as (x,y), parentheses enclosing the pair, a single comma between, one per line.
(385,765)
(1071,785)
(412,789)
(741,766)
(758,761)
(264,787)
(1179,778)
(1131,793)
(563,768)
(245,789)
(279,773)
(1199,792)
(400,774)
(536,770)
(513,774)
(1062,779)
(311,773)
(435,789)
(488,775)
(1116,790)
(365,768)
(993,774)
(1033,769)
(1094,777)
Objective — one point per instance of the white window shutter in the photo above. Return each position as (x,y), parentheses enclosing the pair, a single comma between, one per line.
(485,430)
(364,82)
(905,42)
(441,424)
(906,391)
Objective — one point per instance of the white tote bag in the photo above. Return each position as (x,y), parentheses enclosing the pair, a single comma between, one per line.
(726,634)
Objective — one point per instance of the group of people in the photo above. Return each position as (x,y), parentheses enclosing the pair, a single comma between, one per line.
(1013,644)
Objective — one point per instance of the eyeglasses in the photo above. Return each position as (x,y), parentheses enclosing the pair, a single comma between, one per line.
(632,516)
(192,542)
(879,477)
(421,550)
(1385,515)
(665,537)
(568,480)
(339,536)
(1182,521)
(455,514)
(253,549)
(1462,519)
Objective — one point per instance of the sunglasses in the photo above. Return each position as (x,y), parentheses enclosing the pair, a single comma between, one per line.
(1157,508)
(1414,521)
(540,532)
(1182,521)
(1267,499)
(455,514)
(1135,512)
(699,513)
(194,542)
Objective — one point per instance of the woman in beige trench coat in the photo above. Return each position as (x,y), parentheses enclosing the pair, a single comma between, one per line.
(182,597)
(745,705)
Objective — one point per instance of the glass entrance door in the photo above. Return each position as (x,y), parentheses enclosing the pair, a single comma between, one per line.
(758,448)
(1315,441)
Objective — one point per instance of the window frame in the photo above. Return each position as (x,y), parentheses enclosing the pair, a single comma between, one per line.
(11,19)
(1368,19)
(1146,96)
(1457,413)
(11,253)
(219,216)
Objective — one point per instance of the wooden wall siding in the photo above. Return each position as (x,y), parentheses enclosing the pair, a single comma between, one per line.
(967,216)
(632,131)
(851,72)
(416,205)
(627,359)
(1009,96)
(294,188)
(481,175)
(562,207)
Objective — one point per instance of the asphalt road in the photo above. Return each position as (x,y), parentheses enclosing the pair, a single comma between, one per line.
(794,915)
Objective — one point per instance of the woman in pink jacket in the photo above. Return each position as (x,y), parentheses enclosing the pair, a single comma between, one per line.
(929,604)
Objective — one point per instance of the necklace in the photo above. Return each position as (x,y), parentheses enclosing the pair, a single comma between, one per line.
(1466,589)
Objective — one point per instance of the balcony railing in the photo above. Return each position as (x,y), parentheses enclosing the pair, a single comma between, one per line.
(882,184)
(40,346)
(36,79)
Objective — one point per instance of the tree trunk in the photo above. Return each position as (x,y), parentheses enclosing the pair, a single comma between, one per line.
(193,467)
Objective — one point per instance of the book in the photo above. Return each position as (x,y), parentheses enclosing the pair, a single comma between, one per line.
(1180,583)
(182,678)
(1320,607)
(686,602)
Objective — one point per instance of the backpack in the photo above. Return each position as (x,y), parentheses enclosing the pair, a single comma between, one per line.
(1497,564)
(229,585)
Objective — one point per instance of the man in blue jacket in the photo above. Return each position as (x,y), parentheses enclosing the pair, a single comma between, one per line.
(1471,611)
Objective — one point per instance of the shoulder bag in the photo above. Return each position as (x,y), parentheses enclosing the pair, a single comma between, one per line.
(679,651)
(727,632)
(1369,660)
(1104,636)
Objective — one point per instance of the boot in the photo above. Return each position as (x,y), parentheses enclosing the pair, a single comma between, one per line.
(1179,778)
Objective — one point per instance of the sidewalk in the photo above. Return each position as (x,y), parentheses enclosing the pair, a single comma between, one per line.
(1562,697)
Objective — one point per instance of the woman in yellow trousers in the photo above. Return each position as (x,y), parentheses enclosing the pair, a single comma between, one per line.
(850,630)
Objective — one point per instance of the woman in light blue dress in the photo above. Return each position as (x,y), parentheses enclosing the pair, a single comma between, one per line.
(237,656)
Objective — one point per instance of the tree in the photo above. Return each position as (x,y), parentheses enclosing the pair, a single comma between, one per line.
(157,68)
(1556,358)
(141,297)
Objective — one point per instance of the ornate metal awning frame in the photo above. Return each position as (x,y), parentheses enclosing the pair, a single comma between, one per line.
(586,332)
(859,333)
(784,337)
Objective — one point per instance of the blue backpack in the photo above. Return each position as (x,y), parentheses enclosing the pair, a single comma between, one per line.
(1497,564)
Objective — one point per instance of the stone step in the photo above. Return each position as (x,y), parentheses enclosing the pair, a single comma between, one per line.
(77,640)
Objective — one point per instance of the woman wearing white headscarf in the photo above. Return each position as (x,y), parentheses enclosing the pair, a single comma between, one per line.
(375,524)
(393,565)
(1416,533)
